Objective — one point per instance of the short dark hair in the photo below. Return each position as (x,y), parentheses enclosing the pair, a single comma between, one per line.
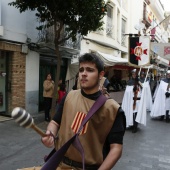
(90,57)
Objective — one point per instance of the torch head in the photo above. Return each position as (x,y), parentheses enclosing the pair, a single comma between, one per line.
(22,117)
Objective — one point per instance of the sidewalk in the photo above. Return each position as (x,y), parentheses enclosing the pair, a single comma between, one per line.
(39,121)
(5,118)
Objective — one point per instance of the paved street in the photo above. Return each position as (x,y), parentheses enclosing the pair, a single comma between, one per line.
(147,149)
(21,147)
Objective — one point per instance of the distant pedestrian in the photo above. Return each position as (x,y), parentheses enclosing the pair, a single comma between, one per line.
(58,88)
(48,91)
(142,77)
(134,103)
(61,93)
(157,83)
(161,104)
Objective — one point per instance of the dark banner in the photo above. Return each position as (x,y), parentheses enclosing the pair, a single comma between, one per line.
(139,48)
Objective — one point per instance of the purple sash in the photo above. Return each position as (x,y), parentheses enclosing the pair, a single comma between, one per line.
(57,156)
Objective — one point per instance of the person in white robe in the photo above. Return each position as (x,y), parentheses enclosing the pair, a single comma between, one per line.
(134,102)
(161,104)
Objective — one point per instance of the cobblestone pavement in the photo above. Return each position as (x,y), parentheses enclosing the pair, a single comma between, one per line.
(148,149)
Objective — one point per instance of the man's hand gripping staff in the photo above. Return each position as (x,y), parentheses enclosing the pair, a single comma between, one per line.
(25,120)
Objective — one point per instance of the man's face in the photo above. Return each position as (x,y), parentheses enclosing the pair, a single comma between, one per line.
(142,75)
(89,77)
(168,75)
(134,75)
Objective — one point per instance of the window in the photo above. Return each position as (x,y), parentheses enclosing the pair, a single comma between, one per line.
(123,42)
(109,24)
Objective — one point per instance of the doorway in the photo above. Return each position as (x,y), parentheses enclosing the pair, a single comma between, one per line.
(2,81)
(49,67)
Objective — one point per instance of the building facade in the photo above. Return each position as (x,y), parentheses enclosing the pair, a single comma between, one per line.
(25,59)
(125,18)
(26,55)
(16,65)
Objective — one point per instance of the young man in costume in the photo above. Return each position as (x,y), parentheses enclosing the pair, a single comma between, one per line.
(102,136)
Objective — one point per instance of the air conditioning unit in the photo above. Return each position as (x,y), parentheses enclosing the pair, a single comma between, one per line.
(1,30)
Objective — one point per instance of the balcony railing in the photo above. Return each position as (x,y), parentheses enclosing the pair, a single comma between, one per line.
(109,27)
(146,19)
(47,36)
(124,40)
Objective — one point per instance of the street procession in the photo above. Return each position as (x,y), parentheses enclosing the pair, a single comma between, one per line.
(85,85)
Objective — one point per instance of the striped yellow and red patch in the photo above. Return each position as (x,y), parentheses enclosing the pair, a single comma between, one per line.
(77,123)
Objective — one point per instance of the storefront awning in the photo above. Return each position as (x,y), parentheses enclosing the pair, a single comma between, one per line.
(110,60)
(163,61)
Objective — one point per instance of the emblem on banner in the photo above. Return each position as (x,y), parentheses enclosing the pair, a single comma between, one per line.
(138,51)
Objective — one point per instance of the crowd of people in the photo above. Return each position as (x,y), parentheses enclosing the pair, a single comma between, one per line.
(162,96)
(144,94)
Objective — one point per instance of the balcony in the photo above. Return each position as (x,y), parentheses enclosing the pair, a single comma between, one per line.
(109,28)
(46,41)
(146,19)
(124,40)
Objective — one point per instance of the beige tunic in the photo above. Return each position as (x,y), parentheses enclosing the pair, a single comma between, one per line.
(96,130)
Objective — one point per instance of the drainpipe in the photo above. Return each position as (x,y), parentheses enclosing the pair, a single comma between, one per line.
(1,27)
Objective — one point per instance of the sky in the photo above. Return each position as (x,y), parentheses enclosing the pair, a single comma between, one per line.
(166,4)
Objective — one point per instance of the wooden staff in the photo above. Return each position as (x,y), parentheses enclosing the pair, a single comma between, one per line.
(136,90)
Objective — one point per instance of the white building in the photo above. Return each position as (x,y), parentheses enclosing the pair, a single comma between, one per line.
(124,18)
(20,85)
(25,55)
(25,59)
